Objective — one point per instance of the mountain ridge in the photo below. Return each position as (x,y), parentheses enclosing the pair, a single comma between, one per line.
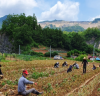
(62,23)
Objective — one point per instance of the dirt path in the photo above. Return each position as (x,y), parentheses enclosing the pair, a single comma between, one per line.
(86,82)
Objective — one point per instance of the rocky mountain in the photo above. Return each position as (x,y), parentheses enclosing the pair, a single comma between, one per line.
(1,20)
(61,23)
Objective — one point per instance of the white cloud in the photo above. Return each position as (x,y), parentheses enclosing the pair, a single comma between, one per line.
(62,11)
(17,7)
(95,17)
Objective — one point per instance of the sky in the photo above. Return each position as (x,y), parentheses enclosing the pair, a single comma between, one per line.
(67,10)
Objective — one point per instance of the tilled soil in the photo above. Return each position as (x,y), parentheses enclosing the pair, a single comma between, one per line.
(96,91)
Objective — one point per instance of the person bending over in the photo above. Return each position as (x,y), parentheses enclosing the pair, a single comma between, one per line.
(1,75)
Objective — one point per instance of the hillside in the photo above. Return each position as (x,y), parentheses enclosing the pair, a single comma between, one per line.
(61,23)
(1,19)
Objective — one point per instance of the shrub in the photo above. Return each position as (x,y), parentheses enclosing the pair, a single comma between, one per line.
(33,53)
(75,52)
(14,55)
(80,58)
(5,54)
(69,54)
(47,54)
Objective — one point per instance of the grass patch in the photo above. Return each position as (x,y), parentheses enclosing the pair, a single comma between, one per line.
(36,75)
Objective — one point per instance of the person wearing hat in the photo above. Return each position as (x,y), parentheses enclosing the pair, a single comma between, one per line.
(84,62)
(21,85)
(1,75)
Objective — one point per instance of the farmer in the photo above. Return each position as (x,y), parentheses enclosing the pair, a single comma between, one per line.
(1,75)
(70,68)
(56,65)
(21,85)
(64,64)
(84,62)
(76,65)
(94,67)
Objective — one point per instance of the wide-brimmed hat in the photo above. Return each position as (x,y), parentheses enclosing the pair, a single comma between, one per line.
(84,58)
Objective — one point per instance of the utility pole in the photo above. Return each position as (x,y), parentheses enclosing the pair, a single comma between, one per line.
(93,50)
(19,49)
(50,51)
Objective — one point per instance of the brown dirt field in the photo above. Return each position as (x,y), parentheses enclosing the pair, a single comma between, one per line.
(43,51)
(42,66)
(96,91)
(86,83)
(63,54)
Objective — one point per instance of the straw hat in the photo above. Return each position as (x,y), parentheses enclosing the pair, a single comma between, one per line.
(84,58)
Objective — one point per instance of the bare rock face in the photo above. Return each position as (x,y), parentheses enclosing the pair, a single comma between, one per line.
(5,45)
(93,41)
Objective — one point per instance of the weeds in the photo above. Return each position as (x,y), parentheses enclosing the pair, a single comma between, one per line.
(98,89)
(36,75)
(48,88)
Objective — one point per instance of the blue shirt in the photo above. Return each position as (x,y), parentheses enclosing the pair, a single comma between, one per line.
(21,84)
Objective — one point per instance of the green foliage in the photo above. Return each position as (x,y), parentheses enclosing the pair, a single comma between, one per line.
(75,52)
(48,88)
(3,83)
(80,57)
(25,32)
(52,72)
(75,28)
(92,33)
(30,58)
(47,54)
(12,82)
(51,26)
(32,53)
(69,53)
(2,57)
(96,20)
(5,54)
(97,50)
(98,89)
(20,27)
(36,75)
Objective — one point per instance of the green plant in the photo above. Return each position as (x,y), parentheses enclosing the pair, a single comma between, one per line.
(3,83)
(8,82)
(98,89)
(56,85)
(5,54)
(52,72)
(47,54)
(80,57)
(14,55)
(49,87)
(36,75)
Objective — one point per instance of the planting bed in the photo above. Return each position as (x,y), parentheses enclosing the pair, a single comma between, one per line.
(52,81)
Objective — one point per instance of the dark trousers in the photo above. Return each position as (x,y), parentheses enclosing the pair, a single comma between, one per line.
(84,69)
(26,92)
